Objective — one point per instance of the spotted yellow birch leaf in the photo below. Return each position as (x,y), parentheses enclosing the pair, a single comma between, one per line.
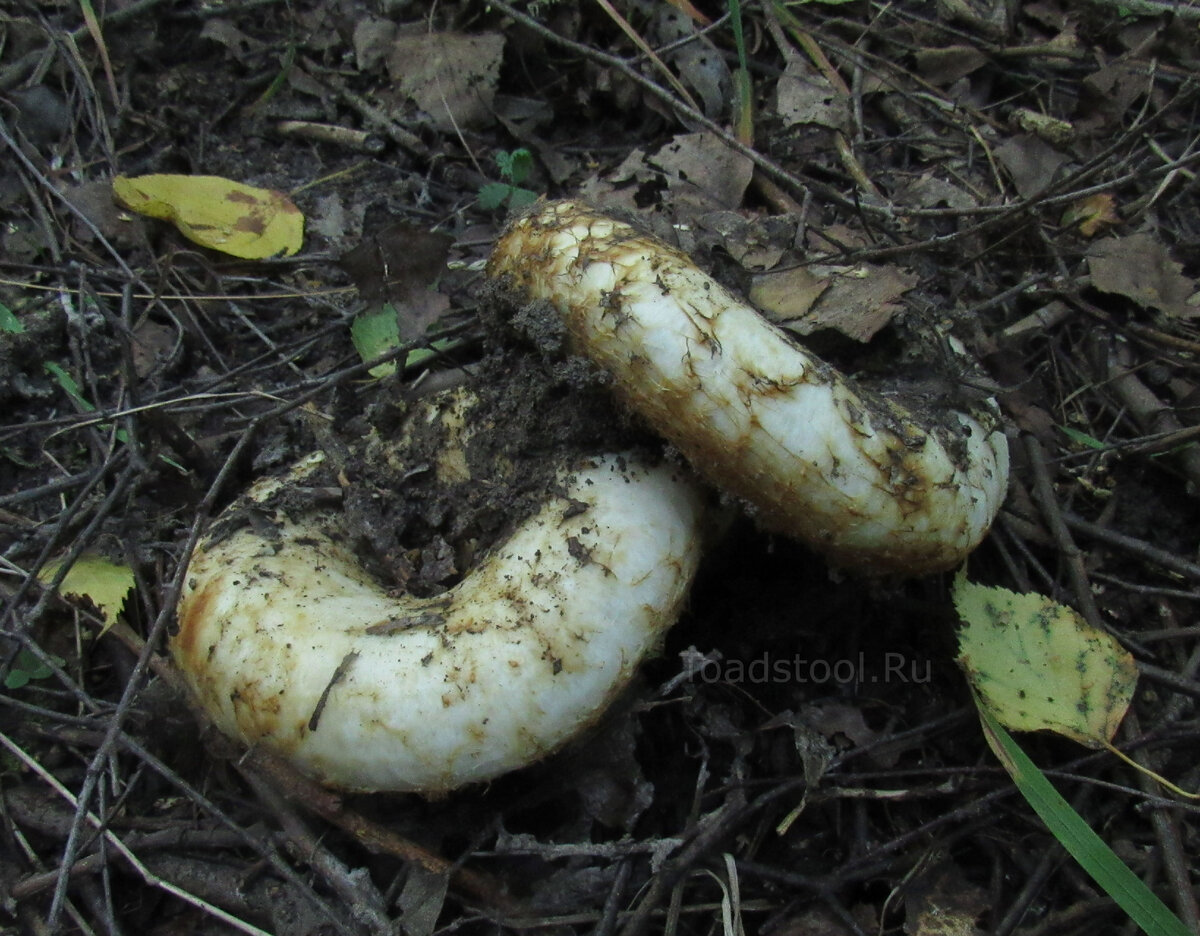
(105,584)
(247,222)
(1038,666)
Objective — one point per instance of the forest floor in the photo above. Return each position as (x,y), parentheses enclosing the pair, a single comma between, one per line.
(902,184)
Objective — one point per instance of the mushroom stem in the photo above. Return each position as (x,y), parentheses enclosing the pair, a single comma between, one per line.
(854,475)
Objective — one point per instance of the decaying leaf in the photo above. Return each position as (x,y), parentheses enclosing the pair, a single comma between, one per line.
(941,901)
(702,171)
(1093,214)
(692,174)
(105,584)
(946,65)
(857,301)
(240,220)
(1030,161)
(396,270)
(787,294)
(1037,665)
(451,76)
(804,96)
(1141,268)
(699,63)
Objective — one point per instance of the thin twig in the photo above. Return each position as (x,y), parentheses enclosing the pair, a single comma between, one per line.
(147,875)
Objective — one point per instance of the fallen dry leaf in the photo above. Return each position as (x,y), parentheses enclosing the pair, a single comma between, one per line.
(787,295)
(804,96)
(451,76)
(1092,214)
(1140,268)
(856,301)
(702,171)
(692,174)
(945,66)
(1030,161)
(942,902)
(700,65)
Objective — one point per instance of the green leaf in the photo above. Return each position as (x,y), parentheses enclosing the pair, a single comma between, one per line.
(520,197)
(1085,846)
(9,321)
(1037,665)
(376,333)
(418,356)
(1082,438)
(493,194)
(67,382)
(520,164)
(27,667)
(105,584)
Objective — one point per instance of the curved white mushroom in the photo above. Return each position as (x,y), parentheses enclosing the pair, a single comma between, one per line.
(850,473)
(289,644)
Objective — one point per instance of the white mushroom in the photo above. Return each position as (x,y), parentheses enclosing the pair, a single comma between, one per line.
(852,474)
(290,645)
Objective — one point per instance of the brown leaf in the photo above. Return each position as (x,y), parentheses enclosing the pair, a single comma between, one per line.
(1030,161)
(1093,214)
(859,302)
(450,76)
(702,170)
(945,66)
(787,295)
(1140,268)
(399,265)
(804,96)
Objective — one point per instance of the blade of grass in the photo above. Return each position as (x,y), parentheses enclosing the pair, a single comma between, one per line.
(93,27)
(1084,845)
(743,124)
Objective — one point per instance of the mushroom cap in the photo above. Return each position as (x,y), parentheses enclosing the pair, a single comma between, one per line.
(290,645)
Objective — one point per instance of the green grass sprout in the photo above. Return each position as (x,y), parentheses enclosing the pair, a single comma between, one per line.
(1076,836)
(514,169)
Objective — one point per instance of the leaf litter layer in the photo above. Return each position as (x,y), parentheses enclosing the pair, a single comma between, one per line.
(1016,183)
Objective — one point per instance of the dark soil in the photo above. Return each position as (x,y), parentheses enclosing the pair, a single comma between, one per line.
(804,757)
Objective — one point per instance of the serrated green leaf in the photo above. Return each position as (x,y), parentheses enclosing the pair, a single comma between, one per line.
(1037,665)
(493,194)
(520,164)
(105,584)
(520,197)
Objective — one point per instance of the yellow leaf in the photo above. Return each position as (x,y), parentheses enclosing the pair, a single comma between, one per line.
(237,219)
(105,584)
(1092,214)
(1037,665)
